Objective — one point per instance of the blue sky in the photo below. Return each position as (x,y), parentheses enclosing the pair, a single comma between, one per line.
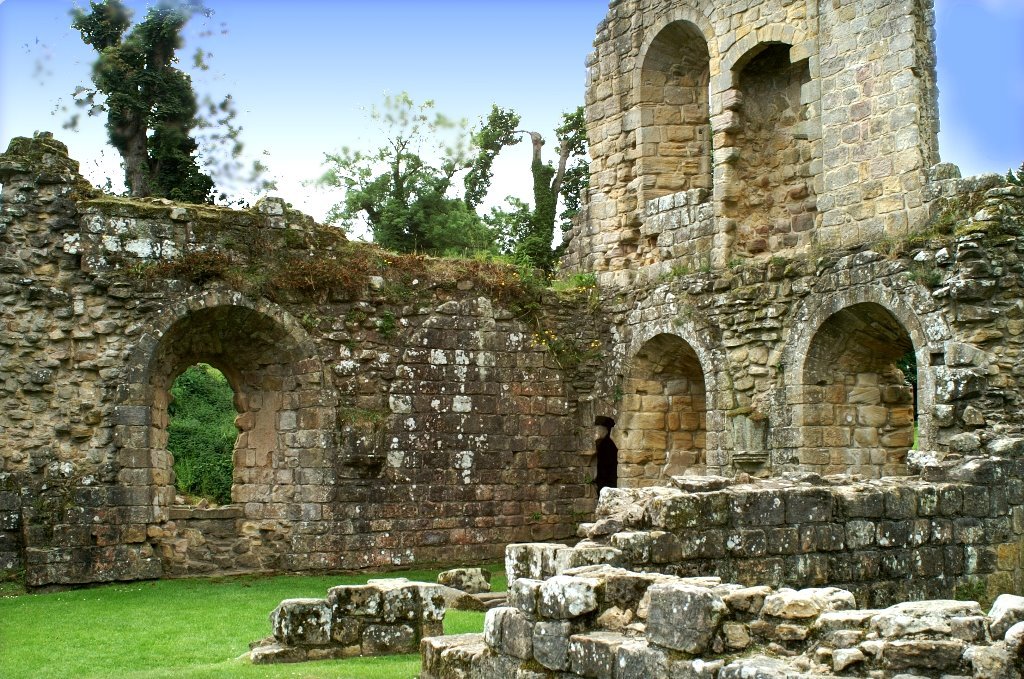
(303,73)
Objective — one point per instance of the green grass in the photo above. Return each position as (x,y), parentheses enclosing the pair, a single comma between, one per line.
(179,628)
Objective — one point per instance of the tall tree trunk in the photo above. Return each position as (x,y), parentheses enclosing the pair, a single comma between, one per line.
(135,153)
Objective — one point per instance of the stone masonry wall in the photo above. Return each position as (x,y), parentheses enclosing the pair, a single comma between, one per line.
(385,425)
(801,358)
(387,415)
(956,531)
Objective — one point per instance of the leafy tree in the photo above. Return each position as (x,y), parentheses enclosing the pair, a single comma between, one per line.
(201,433)
(404,190)
(150,104)
(411,202)
(1016,179)
(527,232)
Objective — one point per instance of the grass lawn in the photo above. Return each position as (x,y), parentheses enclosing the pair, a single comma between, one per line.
(180,628)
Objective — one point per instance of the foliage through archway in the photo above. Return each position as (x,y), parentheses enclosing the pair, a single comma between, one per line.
(201,433)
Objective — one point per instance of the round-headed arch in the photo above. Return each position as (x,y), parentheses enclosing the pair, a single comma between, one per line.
(672,89)
(851,402)
(274,371)
(769,188)
(739,53)
(668,399)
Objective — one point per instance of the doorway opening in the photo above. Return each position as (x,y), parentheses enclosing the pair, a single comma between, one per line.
(201,434)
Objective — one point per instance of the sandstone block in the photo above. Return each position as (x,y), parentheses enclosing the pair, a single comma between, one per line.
(450,657)
(747,599)
(302,622)
(551,644)
(530,560)
(388,639)
(922,653)
(992,662)
(595,654)
(845,657)
(276,653)
(921,617)
(808,603)
(1007,611)
(636,659)
(355,600)
(523,594)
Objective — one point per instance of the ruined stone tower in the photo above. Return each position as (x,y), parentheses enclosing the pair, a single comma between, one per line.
(727,130)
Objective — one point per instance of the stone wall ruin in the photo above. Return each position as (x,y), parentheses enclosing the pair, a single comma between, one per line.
(771,236)
(601,622)
(390,408)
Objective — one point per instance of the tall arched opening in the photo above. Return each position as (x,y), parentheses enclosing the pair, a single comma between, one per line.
(606,455)
(675,135)
(662,426)
(201,435)
(857,412)
(771,194)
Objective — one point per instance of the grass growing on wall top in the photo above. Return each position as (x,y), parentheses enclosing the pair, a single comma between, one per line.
(179,629)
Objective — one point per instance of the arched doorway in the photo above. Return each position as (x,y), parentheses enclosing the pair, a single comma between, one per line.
(662,423)
(263,364)
(282,472)
(201,435)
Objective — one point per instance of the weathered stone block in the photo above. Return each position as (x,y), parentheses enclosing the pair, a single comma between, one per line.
(302,622)
(508,631)
(922,653)
(1007,611)
(813,506)
(747,599)
(564,597)
(524,594)
(389,639)
(469,580)
(276,653)
(530,560)
(551,644)
(450,657)
(683,617)
(762,508)
(595,654)
(789,604)
(676,513)
(355,600)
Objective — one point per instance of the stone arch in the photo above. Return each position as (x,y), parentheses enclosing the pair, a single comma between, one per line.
(851,410)
(773,158)
(672,87)
(667,409)
(279,386)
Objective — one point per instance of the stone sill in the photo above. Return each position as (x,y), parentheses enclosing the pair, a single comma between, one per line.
(186,512)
